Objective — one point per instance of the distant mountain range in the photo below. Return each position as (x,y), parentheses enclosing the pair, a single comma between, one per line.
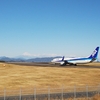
(42,59)
(22,59)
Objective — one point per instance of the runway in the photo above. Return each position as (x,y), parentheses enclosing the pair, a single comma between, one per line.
(48,64)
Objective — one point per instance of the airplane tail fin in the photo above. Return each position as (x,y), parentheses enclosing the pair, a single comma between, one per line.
(94,54)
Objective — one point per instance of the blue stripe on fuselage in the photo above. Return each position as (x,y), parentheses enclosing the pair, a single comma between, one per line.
(79,59)
(75,59)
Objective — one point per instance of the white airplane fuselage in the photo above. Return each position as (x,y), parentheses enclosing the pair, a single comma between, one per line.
(72,60)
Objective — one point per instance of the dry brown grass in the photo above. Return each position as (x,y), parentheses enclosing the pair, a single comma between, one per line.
(96,97)
(16,76)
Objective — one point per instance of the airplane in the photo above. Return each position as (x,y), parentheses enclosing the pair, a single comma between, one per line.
(74,61)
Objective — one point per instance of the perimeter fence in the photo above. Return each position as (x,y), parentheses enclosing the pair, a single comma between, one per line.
(63,93)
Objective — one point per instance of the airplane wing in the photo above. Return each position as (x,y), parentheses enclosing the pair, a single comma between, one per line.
(65,62)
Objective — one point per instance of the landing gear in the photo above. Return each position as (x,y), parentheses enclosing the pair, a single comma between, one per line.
(75,64)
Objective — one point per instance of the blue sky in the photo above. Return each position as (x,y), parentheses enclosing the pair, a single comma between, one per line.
(49,27)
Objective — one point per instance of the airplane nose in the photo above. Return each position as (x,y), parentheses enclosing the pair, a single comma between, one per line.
(51,60)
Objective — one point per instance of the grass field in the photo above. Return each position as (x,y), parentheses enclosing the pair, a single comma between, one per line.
(16,76)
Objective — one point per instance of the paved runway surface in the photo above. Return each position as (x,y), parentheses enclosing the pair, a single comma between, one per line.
(47,64)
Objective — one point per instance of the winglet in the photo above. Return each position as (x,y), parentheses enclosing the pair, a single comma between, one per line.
(63,58)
